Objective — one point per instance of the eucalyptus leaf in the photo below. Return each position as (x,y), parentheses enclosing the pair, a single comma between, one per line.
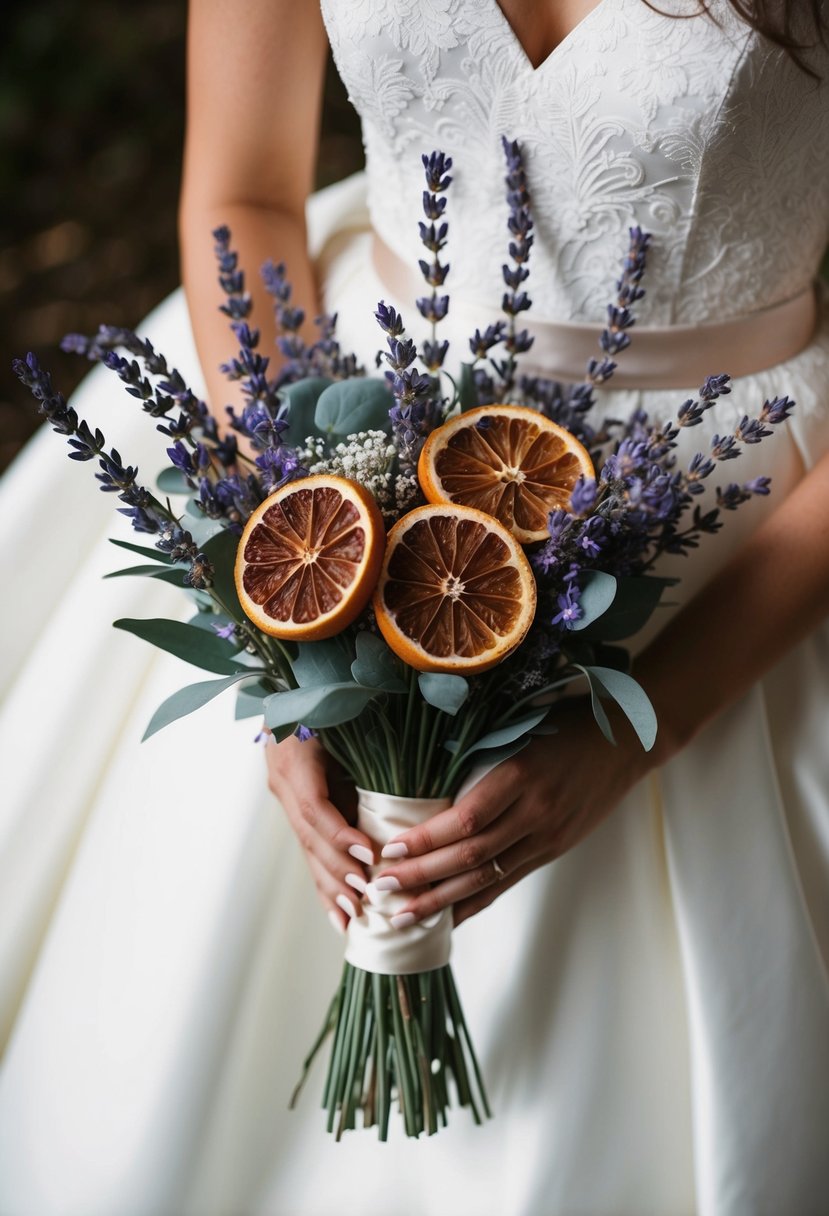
(360,404)
(597,592)
(299,408)
(498,755)
(467,390)
(318,707)
(602,720)
(319,663)
(165,574)
(220,550)
(186,701)
(503,735)
(636,599)
(172,481)
(376,665)
(154,554)
(250,699)
(444,691)
(206,620)
(629,696)
(186,642)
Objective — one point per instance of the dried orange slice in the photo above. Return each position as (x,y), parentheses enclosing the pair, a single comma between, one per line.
(309,558)
(507,460)
(456,593)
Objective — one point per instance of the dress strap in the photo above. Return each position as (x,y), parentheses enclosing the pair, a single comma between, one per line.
(659,357)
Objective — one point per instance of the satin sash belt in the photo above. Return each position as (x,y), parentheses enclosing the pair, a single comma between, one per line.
(373,943)
(675,356)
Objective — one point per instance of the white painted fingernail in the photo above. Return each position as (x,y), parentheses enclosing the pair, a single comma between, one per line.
(403,920)
(342,901)
(361,853)
(386,883)
(336,923)
(355,881)
(392,852)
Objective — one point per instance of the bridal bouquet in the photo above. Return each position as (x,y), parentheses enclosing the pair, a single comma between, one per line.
(413,568)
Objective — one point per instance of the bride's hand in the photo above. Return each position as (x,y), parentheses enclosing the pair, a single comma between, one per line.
(525,813)
(319,800)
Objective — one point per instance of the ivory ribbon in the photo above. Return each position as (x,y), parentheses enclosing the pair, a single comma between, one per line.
(373,943)
(675,356)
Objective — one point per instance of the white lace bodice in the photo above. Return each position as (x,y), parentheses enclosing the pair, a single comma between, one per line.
(700,132)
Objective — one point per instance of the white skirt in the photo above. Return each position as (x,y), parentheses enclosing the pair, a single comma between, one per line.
(651,1011)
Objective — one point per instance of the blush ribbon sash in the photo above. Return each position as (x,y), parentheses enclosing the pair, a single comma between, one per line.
(659,357)
(373,944)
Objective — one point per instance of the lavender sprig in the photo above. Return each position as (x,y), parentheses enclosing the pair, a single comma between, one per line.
(515,300)
(433,236)
(414,413)
(145,512)
(161,399)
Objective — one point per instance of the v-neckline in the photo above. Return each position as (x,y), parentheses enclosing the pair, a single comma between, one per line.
(568,37)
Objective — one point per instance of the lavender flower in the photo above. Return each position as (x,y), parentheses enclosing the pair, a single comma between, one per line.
(433,237)
(144,511)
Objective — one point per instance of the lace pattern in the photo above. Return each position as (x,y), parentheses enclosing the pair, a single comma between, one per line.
(698,130)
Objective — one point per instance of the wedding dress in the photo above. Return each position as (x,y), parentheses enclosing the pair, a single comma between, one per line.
(651,1011)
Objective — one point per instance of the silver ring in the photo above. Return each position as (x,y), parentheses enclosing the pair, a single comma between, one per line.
(499,872)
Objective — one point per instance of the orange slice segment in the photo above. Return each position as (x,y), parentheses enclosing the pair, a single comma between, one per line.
(456,593)
(309,558)
(507,460)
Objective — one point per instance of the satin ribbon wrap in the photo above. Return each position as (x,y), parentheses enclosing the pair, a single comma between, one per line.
(373,943)
(660,357)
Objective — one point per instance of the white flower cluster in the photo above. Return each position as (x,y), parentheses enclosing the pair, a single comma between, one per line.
(367,457)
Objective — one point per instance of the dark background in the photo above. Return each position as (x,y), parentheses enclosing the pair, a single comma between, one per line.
(91,131)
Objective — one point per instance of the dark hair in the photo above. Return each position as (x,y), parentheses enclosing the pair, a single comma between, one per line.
(795,25)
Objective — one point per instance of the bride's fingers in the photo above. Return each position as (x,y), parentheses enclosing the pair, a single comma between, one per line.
(297,776)
(488,799)
(472,882)
(341,901)
(471,854)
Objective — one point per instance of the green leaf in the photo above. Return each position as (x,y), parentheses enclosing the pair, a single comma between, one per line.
(376,665)
(186,642)
(636,600)
(165,574)
(186,701)
(154,554)
(360,404)
(503,735)
(206,620)
(318,707)
(602,720)
(172,481)
(598,590)
(221,551)
(250,699)
(300,406)
(629,696)
(318,663)
(467,392)
(444,691)
(498,755)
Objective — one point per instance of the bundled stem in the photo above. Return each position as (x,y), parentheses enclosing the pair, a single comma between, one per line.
(402,1036)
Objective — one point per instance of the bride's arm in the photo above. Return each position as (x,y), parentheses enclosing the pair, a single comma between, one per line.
(255,77)
(254,87)
(538,805)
